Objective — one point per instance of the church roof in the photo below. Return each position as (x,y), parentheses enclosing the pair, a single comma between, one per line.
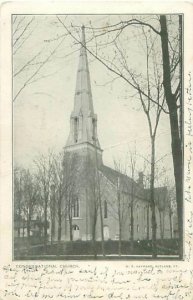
(160,193)
(126,183)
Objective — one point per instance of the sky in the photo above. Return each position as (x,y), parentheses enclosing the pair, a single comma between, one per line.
(42,109)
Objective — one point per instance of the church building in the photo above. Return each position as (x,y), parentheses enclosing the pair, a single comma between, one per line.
(104,199)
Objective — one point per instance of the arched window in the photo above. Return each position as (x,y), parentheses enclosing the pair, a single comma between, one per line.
(75,227)
(75,207)
(105,210)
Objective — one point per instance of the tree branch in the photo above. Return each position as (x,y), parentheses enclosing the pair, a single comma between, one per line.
(120,74)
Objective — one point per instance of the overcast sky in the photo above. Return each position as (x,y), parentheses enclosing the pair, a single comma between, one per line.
(42,109)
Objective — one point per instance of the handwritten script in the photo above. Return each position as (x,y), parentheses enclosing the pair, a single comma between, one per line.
(188,173)
(96,282)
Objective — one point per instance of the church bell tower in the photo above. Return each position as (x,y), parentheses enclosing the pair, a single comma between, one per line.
(83,138)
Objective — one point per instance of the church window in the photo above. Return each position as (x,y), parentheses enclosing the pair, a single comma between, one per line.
(105,210)
(75,208)
(75,227)
(75,130)
(137,228)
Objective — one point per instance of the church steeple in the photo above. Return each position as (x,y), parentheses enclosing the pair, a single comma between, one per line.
(83,95)
(83,121)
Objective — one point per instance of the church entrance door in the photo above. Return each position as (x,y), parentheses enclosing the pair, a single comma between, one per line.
(106,232)
(76,233)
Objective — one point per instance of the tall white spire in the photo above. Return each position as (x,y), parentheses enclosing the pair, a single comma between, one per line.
(83,95)
(83,122)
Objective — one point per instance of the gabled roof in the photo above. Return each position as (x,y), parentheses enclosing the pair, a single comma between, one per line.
(160,193)
(125,182)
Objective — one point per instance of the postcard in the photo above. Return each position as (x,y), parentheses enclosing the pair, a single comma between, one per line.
(96,134)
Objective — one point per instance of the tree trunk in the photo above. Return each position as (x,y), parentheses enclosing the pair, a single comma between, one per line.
(174,127)
(99,198)
(94,235)
(59,221)
(19,218)
(181,77)
(69,213)
(163,222)
(148,222)
(152,201)
(100,208)
(171,229)
(59,229)
(119,217)
(132,228)
(45,224)
(23,228)
(71,229)
(53,218)
(161,226)
(120,239)
(28,228)
(102,227)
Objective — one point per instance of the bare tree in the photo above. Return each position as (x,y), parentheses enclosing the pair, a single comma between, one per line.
(131,187)
(91,188)
(26,202)
(18,198)
(171,207)
(165,198)
(121,201)
(31,197)
(63,188)
(172,98)
(126,196)
(22,29)
(57,194)
(153,88)
(99,195)
(169,203)
(96,191)
(31,70)
(44,165)
(70,182)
